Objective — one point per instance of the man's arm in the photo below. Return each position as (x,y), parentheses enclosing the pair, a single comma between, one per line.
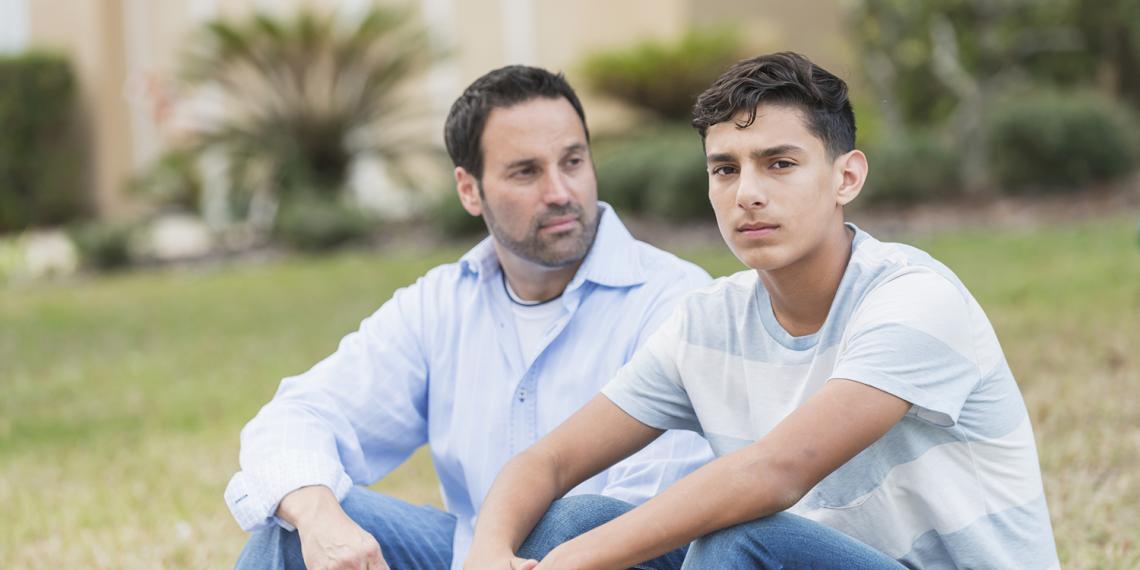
(349,420)
(595,437)
(771,475)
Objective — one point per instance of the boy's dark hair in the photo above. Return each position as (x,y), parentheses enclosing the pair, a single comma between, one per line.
(784,78)
(503,87)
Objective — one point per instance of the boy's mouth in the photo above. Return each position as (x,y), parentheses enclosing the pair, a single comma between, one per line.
(757,229)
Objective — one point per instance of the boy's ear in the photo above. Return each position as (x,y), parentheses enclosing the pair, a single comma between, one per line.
(852,171)
(468,188)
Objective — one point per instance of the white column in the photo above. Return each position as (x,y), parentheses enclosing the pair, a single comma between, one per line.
(214,164)
(140,88)
(520,32)
(13,25)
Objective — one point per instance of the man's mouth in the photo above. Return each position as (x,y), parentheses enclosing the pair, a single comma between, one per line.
(559,224)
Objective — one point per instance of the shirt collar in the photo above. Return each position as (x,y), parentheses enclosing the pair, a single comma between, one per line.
(611,262)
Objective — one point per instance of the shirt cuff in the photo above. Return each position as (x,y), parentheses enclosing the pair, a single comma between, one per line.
(253,501)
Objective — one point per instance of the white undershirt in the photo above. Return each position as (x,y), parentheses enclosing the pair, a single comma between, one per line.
(532,321)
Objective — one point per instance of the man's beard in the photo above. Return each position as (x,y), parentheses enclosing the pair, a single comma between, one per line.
(549,251)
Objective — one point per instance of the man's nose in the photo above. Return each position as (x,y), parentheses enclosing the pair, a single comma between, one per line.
(556,188)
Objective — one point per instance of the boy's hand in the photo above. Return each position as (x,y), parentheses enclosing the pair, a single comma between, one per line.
(503,562)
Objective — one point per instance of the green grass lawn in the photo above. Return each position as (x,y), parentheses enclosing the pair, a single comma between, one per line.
(121,397)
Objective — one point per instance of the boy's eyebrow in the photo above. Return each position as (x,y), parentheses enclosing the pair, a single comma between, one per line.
(776,150)
(757,154)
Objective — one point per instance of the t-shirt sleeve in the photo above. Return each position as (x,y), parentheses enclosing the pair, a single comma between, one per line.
(649,386)
(912,337)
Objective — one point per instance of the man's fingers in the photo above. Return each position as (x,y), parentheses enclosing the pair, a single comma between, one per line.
(373,557)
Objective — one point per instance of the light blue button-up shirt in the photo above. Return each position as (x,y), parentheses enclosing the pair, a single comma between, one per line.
(440,363)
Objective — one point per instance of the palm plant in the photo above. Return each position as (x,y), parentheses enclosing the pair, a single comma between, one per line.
(294,99)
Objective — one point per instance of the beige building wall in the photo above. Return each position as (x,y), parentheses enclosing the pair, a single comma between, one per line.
(126,52)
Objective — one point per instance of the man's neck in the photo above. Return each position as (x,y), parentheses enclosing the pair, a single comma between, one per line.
(802,292)
(531,281)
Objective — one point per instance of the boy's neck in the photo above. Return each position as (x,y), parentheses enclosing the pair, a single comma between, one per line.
(802,292)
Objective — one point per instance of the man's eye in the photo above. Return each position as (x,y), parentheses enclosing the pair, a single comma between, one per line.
(575,161)
(723,170)
(782,164)
(524,173)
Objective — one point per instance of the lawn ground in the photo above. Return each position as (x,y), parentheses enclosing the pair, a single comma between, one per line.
(121,397)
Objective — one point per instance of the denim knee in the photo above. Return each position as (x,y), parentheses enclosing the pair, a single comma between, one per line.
(568,518)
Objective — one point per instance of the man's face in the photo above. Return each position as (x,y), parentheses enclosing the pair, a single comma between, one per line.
(773,187)
(538,193)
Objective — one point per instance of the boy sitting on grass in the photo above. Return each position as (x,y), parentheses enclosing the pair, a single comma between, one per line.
(857,399)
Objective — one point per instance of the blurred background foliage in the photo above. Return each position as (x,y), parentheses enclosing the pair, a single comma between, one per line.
(955,100)
(301,96)
(40,153)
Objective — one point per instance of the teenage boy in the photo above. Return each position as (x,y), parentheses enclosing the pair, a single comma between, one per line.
(858,401)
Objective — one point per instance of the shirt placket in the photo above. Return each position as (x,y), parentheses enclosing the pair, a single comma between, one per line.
(524,404)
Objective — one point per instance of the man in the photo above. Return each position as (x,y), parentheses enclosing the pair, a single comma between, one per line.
(478,359)
(853,383)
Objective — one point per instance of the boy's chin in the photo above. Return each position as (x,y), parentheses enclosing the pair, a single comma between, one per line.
(761,259)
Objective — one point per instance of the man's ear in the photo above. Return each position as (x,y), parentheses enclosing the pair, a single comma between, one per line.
(468,188)
(852,173)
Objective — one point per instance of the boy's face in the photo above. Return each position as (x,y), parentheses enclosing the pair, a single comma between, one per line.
(776,192)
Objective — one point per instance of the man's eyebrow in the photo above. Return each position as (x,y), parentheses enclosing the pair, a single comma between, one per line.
(522,162)
(576,147)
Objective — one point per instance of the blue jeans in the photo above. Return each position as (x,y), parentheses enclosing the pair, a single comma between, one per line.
(410,536)
(572,516)
(420,537)
(782,540)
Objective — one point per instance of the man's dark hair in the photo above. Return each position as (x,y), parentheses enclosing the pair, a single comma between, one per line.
(503,87)
(784,78)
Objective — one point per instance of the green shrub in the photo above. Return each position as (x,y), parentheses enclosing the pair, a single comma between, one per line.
(451,220)
(313,223)
(172,180)
(910,169)
(103,246)
(664,77)
(40,158)
(1060,141)
(660,172)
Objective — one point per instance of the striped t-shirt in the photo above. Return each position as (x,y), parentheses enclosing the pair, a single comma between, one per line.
(956,483)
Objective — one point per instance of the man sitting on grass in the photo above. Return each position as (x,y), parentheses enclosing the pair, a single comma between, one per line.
(477,359)
(858,401)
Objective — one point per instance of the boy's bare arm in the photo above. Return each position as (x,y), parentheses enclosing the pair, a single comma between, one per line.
(594,438)
(833,426)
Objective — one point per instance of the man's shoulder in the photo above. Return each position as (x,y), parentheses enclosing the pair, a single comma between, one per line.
(659,264)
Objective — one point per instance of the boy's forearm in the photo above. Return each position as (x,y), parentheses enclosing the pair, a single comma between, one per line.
(520,495)
(725,492)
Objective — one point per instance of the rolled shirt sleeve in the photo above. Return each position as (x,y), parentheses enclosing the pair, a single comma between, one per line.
(351,419)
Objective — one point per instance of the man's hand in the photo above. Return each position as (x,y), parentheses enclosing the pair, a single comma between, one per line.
(329,539)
